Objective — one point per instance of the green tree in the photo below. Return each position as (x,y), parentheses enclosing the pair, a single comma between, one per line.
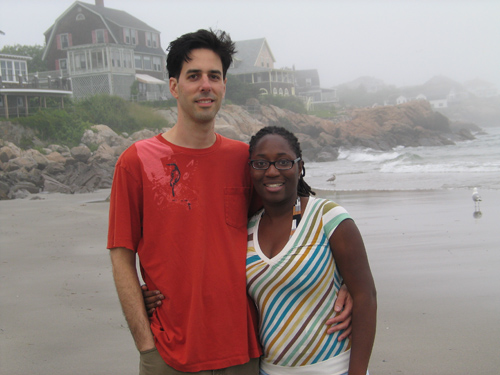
(36,64)
(238,92)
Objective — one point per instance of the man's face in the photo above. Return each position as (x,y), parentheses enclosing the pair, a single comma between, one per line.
(200,88)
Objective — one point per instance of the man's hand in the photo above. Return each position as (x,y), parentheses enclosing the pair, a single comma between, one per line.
(342,319)
(152,299)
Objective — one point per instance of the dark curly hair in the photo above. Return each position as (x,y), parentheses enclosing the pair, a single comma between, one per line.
(179,50)
(303,189)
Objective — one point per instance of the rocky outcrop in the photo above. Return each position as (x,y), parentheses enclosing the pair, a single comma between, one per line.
(90,165)
(57,168)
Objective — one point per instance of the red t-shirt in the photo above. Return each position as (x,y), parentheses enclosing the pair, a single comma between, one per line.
(185,213)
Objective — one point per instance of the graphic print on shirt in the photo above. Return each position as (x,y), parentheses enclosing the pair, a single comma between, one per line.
(181,192)
(175,176)
(170,177)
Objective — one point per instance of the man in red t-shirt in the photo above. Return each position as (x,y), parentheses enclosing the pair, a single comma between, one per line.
(180,201)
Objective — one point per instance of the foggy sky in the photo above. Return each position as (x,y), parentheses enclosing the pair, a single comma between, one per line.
(402,42)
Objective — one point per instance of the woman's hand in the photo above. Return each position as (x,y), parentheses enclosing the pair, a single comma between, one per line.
(152,299)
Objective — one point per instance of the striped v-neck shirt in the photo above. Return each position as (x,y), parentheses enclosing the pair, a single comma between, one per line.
(295,290)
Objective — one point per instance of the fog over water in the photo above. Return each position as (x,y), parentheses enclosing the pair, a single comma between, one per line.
(401,42)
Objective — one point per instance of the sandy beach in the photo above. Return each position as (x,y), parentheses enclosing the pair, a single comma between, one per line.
(436,267)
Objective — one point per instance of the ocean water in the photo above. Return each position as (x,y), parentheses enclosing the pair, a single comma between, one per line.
(465,165)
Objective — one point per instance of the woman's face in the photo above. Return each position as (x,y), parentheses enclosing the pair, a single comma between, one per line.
(275,186)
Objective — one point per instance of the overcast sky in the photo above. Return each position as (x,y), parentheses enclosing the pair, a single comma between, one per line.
(402,42)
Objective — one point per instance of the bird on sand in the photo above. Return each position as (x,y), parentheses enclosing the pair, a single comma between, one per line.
(332,179)
(475,196)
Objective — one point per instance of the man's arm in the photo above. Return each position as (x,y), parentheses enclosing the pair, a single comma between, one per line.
(130,295)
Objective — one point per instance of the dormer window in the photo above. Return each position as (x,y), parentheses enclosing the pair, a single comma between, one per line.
(129,36)
(126,36)
(100,36)
(63,41)
(148,39)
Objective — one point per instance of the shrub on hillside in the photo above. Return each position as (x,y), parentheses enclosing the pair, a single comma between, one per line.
(56,125)
(119,114)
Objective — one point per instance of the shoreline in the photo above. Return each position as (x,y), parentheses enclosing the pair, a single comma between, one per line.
(436,268)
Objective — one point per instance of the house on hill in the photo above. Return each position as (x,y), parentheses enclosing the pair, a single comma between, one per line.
(308,87)
(254,63)
(104,51)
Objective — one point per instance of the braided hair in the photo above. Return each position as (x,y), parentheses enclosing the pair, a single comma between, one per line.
(303,189)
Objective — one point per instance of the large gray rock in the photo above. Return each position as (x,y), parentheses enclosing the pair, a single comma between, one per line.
(52,185)
(104,154)
(81,153)
(23,162)
(56,157)
(142,134)
(7,153)
(40,159)
(100,134)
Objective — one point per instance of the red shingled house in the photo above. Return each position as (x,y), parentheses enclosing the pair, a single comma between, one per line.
(105,50)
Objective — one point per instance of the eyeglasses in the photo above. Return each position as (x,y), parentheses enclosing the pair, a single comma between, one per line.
(281,164)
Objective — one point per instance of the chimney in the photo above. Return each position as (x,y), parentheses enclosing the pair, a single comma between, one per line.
(99,3)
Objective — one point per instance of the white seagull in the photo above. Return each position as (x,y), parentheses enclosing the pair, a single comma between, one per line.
(475,196)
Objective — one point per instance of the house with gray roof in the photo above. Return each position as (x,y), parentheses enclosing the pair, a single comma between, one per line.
(308,87)
(254,63)
(104,51)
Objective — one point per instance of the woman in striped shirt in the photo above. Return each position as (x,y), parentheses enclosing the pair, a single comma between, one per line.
(300,251)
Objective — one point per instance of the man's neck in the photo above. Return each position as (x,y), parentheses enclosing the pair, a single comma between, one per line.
(197,137)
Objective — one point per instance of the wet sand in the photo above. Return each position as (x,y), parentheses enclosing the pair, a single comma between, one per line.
(436,267)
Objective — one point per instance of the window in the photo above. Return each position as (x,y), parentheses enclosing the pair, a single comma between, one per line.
(130,36)
(115,59)
(80,61)
(138,62)
(148,39)
(8,71)
(157,64)
(63,64)
(64,38)
(128,60)
(97,60)
(20,69)
(155,40)
(11,70)
(126,36)
(80,17)
(100,36)
(147,63)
